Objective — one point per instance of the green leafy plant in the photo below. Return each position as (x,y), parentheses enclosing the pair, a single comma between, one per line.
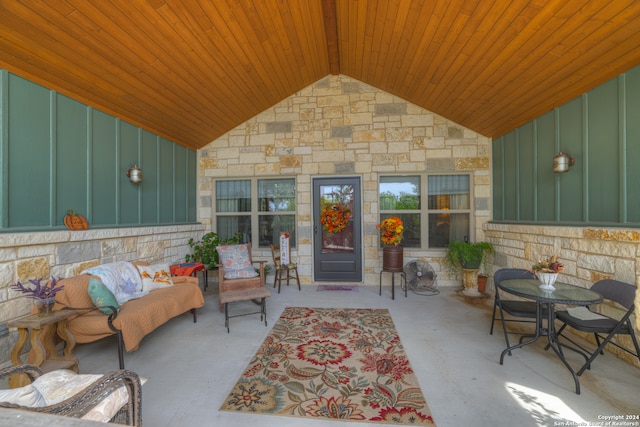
(468,255)
(204,251)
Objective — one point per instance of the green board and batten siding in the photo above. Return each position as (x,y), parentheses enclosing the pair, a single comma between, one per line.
(58,154)
(601,130)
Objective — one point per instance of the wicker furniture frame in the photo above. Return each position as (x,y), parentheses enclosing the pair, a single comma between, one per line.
(81,403)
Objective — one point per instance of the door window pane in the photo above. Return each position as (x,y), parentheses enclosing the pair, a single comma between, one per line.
(336,205)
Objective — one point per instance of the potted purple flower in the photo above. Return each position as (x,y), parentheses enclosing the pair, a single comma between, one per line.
(43,294)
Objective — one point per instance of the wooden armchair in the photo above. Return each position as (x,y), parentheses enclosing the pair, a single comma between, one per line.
(114,397)
(238,280)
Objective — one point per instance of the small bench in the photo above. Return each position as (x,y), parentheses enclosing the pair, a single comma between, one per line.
(255,294)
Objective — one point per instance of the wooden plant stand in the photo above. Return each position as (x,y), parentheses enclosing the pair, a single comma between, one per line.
(41,331)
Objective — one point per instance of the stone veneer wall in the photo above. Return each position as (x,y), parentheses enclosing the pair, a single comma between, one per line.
(340,126)
(589,254)
(67,253)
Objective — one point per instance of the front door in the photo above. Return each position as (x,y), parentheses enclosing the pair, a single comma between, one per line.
(337,230)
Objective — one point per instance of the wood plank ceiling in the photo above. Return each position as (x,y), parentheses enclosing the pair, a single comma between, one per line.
(192,70)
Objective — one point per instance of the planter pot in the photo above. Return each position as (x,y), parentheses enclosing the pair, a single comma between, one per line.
(547,280)
(470,282)
(482,283)
(392,258)
(44,306)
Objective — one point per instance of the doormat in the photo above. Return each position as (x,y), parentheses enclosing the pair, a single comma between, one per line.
(344,288)
(342,364)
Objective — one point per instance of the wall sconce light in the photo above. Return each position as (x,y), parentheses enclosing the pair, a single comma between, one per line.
(562,161)
(135,174)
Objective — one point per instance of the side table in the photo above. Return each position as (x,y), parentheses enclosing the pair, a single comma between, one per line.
(41,331)
(190,269)
(403,277)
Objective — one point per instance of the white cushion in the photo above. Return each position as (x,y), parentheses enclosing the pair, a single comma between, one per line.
(62,384)
(155,276)
(24,396)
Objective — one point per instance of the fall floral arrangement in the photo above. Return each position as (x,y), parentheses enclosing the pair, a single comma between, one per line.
(39,290)
(391,230)
(335,218)
(549,265)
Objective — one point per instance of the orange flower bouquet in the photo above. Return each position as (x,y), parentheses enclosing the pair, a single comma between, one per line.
(391,230)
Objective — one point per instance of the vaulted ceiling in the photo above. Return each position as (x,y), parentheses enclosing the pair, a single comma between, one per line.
(192,70)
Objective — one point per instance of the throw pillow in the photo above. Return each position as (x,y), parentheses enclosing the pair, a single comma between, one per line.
(155,276)
(101,296)
(24,396)
(236,261)
(121,278)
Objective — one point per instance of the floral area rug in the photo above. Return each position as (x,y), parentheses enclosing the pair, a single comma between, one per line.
(332,363)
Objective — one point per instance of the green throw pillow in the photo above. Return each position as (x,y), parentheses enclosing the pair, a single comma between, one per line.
(101,296)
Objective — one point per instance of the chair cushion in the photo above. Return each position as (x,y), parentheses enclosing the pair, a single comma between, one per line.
(63,384)
(155,276)
(101,295)
(24,396)
(236,261)
(604,325)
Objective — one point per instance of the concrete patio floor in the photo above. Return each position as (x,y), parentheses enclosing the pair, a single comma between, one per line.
(192,367)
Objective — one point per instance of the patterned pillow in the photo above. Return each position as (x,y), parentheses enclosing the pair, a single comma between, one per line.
(236,261)
(121,278)
(155,276)
(101,296)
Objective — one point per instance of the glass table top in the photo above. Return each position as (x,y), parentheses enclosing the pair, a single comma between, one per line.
(563,293)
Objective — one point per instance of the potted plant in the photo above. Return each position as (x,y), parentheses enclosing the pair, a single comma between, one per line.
(204,251)
(468,257)
(547,270)
(391,231)
(43,294)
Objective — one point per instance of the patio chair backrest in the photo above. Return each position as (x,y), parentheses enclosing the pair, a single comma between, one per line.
(615,290)
(512,273)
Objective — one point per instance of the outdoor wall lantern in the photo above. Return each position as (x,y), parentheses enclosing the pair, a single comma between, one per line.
(562,161)
(135,174)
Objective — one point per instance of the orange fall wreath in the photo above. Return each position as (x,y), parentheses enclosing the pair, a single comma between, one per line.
(334,218)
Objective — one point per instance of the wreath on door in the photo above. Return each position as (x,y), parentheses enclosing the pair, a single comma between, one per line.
(334,218)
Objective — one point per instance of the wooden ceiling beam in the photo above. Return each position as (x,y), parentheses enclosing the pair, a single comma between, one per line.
(331,31)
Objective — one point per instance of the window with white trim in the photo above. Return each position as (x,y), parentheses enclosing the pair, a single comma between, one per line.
(446,215)
(257,209)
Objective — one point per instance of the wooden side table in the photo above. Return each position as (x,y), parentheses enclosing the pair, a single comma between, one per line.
(41,331)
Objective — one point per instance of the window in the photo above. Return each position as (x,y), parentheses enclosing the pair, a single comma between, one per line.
(447,212)
(258,209)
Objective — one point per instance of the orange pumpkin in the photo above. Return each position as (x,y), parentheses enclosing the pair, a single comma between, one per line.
(73,221)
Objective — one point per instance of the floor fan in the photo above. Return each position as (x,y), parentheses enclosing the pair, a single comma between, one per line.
(421,277)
